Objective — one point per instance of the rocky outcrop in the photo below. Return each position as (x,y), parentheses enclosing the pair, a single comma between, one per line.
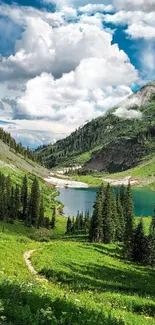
(118,156)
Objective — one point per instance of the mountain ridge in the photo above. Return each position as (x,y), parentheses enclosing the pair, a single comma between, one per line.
(131,124)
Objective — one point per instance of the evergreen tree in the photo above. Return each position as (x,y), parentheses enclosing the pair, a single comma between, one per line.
(2,197)
(8,207)
(81,221)
(46,222)
(108,222)
(121,222)
(28,220)
(123,197)
(12,211)
(87,222)
(151,243)
(77,222)
(17,202)
(73,226)
(139,244)
(24,197)
(69,226)
(129,224)
(41,213)
(35,203)
(96,224)
(53,220)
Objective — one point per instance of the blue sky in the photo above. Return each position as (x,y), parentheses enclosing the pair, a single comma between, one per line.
(65,62)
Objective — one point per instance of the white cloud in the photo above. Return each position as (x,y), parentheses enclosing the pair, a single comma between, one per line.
(93,8)
(20,14)
(69,12)
(127,114)
(123,17)
(99,72)
(69,72)
(145,5)
(140,24)
(141,31)
(92,20)
(64,101)
(62,49)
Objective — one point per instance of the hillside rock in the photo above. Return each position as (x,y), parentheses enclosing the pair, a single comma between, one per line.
(118,156)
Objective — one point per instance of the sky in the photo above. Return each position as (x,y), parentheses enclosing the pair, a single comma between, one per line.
(65,62)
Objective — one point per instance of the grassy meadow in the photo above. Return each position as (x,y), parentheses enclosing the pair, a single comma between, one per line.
(87,283)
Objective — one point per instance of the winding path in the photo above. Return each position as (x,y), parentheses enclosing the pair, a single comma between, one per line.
(27,256)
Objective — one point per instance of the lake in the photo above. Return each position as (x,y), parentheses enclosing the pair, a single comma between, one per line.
(83,199)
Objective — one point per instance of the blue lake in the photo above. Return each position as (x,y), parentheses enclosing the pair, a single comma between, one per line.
(83,199)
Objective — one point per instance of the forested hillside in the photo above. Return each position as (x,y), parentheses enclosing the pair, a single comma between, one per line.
(17,147)
(99,140)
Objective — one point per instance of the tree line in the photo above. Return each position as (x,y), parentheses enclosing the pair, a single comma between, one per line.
(79,224)
(23,203)
(113,221)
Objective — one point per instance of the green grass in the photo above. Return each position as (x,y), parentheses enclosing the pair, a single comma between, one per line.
(87,283)
(95,275)
(92,181)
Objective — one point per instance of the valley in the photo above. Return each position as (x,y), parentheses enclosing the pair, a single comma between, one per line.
(51,276)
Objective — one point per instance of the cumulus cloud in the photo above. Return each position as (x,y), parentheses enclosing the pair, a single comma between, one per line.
(144,5)
(140,24)
(63,100)
(64,71)
(127,114)
(62,49)
(141,30)
(20,14)
(93,8)
(69,12)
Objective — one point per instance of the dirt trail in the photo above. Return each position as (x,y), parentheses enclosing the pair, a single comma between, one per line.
(27,256)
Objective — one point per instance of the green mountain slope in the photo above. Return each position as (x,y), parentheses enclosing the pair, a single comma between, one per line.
(114,142)
(11,161)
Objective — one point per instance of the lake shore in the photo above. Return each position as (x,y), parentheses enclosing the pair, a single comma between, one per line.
(65,183)
(124,181)
(60,181)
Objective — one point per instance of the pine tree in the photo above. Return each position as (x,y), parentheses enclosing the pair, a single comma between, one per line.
(139,244)
(53,220)
(12,211)
(151,243)
(17,202)
(123,197)
(2,197)
(46,222)
(77,222)
(8,187)
(96,225)
(121,222)
(114,218)
(73,226)
(28,220)
(41,213)
(69,226)
(86,222)
(129,224)
(108,223)
(24,198)
(35,203)
(81,221)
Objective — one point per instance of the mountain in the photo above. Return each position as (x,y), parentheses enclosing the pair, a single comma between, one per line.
(116,141)
(17,160)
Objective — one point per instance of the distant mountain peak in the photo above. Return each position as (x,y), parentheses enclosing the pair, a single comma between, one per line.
(140,98)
